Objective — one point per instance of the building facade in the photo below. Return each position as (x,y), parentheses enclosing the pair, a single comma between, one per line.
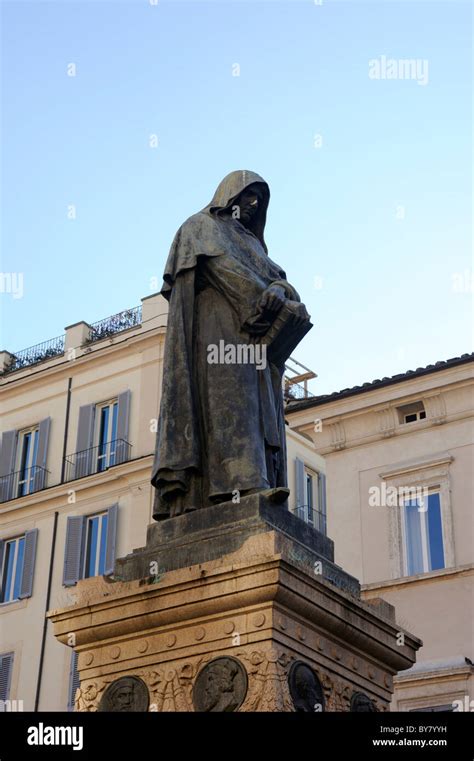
(399,456)
(79,416)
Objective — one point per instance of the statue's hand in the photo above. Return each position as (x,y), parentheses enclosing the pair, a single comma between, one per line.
(301,315)
(272,299)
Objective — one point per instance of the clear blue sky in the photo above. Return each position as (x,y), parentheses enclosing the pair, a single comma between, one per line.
(381,290)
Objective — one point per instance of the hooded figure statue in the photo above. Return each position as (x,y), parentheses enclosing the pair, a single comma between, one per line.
(221,429)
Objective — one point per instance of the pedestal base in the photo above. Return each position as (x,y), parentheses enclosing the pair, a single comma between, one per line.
(270,624)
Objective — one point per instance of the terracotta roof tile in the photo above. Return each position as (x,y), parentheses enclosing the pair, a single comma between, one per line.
(302,404)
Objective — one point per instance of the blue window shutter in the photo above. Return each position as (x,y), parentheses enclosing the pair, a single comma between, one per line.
(300,483)
(123,419)
(74,549)
(7,464)
(26,586)
(111,540)
(6,667)
(42,454)
(74,681)
(84,441)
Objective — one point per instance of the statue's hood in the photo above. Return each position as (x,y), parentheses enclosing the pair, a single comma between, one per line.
(230,187)
(203,234)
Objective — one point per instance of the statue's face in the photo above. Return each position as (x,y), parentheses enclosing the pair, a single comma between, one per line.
(248,202)
(212,689)
(218,683)
(306,686)
(124,698)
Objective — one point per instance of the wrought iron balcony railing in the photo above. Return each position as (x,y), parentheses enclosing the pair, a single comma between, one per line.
(54,347)
(314,518)
(96,459)
(115,324)
(22,482)
(26,357)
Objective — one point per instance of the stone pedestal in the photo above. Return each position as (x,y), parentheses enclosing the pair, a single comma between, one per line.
(233,607)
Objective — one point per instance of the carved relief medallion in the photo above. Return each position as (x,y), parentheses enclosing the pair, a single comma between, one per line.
(305,688)
(127,694)
(220,686)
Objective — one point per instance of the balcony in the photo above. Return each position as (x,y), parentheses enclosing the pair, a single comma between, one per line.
(295,382)
(22,482)
(314,518)
(96,459)
(295,391)
(54,347)
(129,318)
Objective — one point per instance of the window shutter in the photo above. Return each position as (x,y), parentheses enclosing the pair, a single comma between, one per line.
(74,681)
(7,464)
(122,448)
(2,549)
(73,551)
(26,586)
(322,502)
(111,540)
(300,483)
(84,441)
(6,667)
(42,454)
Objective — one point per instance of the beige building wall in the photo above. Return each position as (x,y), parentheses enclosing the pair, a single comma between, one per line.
(367,447)
(95,372)
(98,371)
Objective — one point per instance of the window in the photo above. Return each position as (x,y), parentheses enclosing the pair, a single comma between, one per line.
(27,458)
(14,552)
(106,435)
(412,417)
(23,456)
(90,545)
(423,534)
(411,413)
(6,666)
(411,532)
(102,437)
(96,544)
(17,560)
(310,496)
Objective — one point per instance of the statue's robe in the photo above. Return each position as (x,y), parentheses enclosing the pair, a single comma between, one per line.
(221,426)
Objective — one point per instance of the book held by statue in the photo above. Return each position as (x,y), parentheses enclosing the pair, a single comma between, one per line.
(285,332)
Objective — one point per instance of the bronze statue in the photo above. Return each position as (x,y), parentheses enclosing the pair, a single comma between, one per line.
(233,321)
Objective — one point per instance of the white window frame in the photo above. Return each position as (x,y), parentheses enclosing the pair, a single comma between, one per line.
(10,540)
(109,453)
(432,473)
(425,550)
(418,414)
(33,429)
(89,518)
(416,407)
(314,475)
